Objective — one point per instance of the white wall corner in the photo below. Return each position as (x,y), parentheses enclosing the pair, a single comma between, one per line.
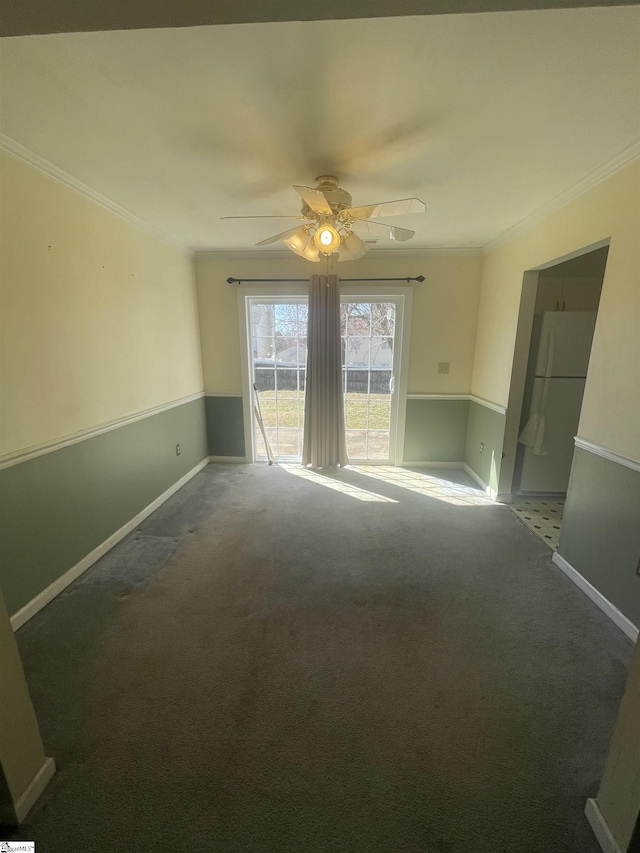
(600,828)
(618,618)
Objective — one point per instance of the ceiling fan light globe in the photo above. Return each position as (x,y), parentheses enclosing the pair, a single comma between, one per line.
(352,248)
(327,239)
(302,244)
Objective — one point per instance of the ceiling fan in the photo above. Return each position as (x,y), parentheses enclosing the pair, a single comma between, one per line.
(330,222)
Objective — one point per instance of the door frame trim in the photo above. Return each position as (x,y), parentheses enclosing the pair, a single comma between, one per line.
(245,293)
(296,291)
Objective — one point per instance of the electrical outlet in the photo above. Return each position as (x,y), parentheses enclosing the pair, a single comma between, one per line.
(443,367)
(177,450)
(482,447)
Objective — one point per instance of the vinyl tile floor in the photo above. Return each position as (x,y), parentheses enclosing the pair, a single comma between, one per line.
(543,516)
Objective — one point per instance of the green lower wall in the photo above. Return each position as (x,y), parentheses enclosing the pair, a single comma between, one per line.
(600,534)
(225,426)
(58,507)
(485,426)
(435,430)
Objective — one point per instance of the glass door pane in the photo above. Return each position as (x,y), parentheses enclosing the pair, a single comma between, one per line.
(279,354)
(368,336)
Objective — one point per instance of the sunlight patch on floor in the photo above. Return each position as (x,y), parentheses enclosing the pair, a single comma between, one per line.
(336,485)
(428,485)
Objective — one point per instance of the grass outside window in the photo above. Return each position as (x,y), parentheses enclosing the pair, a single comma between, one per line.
(290,408)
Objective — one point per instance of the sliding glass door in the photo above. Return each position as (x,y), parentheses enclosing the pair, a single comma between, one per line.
(374,354)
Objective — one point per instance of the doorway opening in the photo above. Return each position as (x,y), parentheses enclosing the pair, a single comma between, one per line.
(567,296)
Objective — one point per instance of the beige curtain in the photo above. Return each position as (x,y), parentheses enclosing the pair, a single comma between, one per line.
(324,443)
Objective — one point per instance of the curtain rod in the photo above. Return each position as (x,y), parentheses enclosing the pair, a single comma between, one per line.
(231,280)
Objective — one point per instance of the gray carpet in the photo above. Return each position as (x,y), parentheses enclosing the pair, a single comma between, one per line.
(270,665)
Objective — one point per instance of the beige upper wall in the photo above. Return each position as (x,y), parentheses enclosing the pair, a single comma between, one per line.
(99,319)
(443,321)
(611,408)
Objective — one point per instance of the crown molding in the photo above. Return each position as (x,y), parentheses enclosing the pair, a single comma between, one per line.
(32,159)
(248,254)
(625,158)
(279,254)
(464,251)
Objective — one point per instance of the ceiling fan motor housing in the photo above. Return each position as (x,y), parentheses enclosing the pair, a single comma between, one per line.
(338,198)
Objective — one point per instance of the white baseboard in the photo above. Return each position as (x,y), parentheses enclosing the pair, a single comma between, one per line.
(600,828)
(625,624)
(12,816)
(238,460)
(43,598)
(487,489)
(455,465)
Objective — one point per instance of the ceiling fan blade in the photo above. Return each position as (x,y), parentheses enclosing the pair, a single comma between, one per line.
(282,236)
(315,199)
(302,244)
(379,229)
(352,248)
(388,208)
(262,217)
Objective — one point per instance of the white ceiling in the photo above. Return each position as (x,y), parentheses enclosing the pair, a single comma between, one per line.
(488,118)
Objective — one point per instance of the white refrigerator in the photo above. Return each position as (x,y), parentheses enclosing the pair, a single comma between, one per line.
(560,348)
